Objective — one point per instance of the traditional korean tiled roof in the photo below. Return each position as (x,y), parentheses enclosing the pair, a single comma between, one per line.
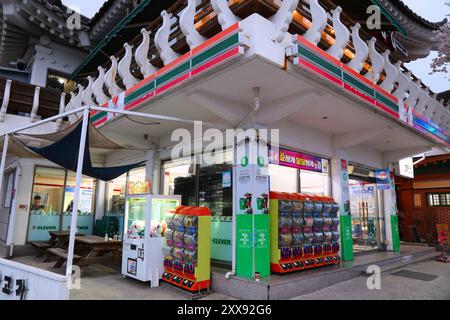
(60,10)
(415,17)
(445,96)
(101,12)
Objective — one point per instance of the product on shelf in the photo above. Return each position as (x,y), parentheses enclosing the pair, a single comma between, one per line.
(187,265)
(304,231)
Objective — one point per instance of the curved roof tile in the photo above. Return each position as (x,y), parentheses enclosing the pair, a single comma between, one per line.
(415,17)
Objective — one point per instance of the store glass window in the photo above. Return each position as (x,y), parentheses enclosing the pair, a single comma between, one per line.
(178,178)
(86,215)
(283,179)
(116,190)
(46,203)
(215,189)
(210,186)
(52,203)
(216,193)
(314,183)
(112,222)
(439,199)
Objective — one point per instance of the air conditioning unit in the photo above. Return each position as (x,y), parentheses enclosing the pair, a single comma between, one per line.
(358,171)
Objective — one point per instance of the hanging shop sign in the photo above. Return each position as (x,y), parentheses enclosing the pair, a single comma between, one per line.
(383,179)
(405,168)
(297,160)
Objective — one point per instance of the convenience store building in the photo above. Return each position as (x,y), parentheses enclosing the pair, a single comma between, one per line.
(346,111)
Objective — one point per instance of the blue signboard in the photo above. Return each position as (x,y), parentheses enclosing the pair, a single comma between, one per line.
(226,179)
(383,179)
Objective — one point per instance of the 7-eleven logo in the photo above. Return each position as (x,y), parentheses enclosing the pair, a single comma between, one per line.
(117,103)
(406,114)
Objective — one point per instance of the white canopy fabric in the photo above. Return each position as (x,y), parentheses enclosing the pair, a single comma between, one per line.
(96,139)
(16,148)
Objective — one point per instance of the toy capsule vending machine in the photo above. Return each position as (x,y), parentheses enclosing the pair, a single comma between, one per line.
(335,244)
(187,249)
(326,229)
(142,256)
(280,232)
(286,221)
(317,230)
(308,235)
(297,232)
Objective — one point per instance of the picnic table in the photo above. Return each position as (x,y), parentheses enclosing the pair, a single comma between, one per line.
(90,250)
(58,239)
(61,238)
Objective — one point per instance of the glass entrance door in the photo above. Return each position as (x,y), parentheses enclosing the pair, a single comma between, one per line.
(366,220)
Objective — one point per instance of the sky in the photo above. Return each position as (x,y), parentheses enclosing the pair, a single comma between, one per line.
(436,11)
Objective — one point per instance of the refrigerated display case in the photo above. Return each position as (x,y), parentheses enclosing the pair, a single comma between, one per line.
(145,224)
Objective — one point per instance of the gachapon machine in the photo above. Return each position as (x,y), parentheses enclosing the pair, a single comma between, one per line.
(188,264)
(335,242)
(317,227)
(308,214)
(297,242)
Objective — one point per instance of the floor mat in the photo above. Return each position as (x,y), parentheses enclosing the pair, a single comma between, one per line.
(415,275)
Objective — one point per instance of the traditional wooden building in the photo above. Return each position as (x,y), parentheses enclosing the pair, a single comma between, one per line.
(424,202)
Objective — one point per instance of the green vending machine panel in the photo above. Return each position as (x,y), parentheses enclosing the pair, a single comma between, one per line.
(395,234)
(244,246)
(346,238)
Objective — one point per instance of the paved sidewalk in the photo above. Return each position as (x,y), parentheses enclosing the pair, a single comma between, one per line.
(392,287)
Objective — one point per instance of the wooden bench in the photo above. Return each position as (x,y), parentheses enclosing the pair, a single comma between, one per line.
(62,256)
(41,246)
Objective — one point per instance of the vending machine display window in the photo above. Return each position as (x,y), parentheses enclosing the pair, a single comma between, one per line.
(136,217)
(145,225)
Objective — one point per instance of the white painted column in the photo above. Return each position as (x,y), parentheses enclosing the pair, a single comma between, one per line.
(100,200)
(339,177)
(341,194)
(3,161)
(390,209)
(156,173)
(149,168)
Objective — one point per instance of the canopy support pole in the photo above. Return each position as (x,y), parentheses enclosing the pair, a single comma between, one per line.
(41,122)
(76,199)
(156,117)
(3,161)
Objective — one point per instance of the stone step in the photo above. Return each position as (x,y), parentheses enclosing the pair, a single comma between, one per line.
(300,283)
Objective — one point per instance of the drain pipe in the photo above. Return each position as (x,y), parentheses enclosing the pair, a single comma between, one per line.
(228,275)
(257,104)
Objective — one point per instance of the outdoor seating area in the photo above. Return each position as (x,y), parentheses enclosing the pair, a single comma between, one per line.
(89,250)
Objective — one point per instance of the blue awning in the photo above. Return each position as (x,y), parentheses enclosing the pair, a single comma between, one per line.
(64,153)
